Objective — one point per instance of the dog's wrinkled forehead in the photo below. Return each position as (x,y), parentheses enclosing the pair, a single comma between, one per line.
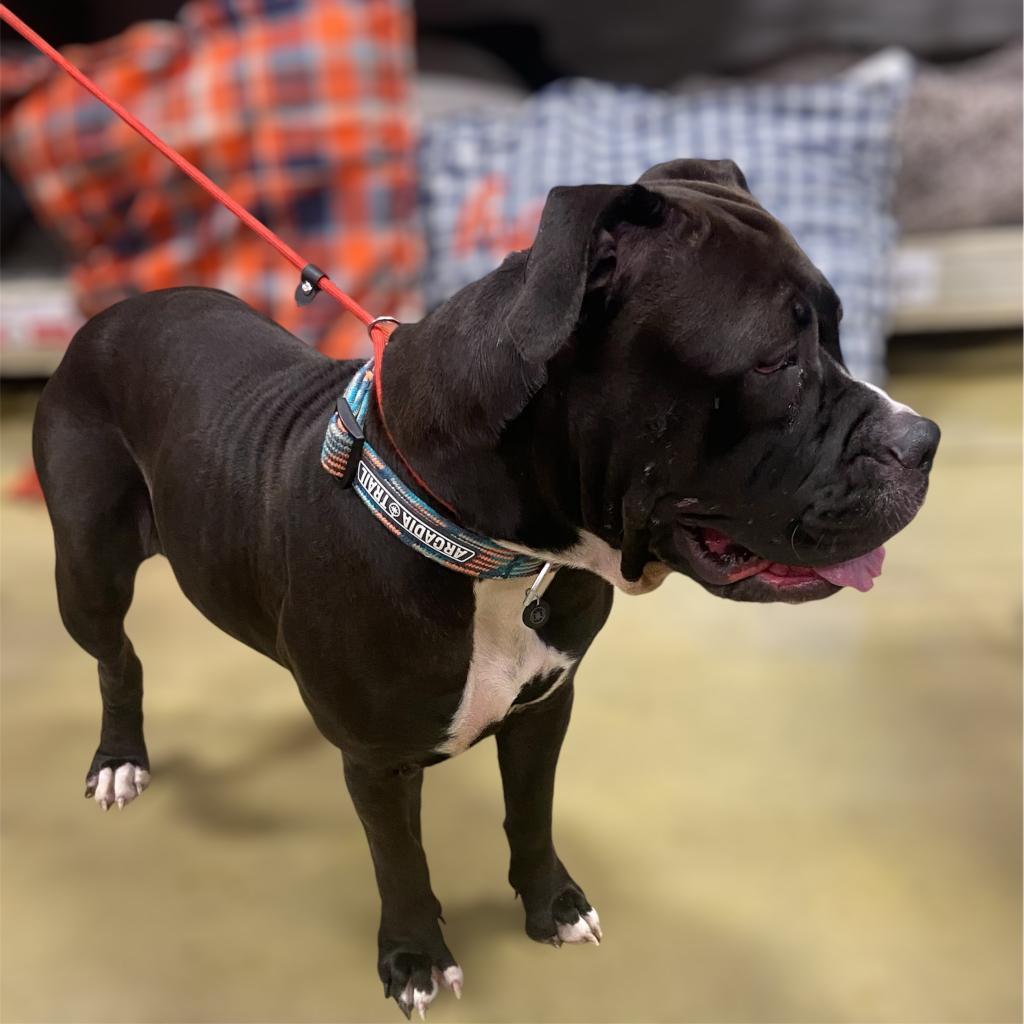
(752,246)
(655,246)
(718,189)
(716,172)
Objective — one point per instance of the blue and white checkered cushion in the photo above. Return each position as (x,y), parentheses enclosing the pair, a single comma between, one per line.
(819,156)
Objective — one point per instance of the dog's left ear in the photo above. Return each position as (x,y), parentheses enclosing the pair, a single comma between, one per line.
(574,251)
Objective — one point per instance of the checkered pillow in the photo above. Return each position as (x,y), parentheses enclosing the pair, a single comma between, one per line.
(297,108)
(820,157)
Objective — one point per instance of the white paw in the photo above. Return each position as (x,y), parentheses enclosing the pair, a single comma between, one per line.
(586,928)
(419,1000)
(415,998)
(452,979)
(120,786)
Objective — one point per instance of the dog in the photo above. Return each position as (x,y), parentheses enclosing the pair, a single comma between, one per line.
(655,386)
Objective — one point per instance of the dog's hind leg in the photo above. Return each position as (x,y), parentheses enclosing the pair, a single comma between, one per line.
(102,527)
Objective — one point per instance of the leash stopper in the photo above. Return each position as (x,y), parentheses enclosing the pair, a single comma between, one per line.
(309,284)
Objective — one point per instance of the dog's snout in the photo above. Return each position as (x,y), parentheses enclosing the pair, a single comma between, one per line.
(913,441)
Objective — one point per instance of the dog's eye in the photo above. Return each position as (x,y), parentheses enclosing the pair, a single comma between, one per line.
(786,361)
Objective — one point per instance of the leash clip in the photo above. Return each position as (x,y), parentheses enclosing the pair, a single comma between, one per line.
(309,284)
(348,420)
(377,320)
(536,611)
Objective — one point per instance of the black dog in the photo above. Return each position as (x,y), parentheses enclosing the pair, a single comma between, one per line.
(655,386)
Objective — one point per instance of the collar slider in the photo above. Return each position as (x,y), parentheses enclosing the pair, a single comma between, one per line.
(351,424)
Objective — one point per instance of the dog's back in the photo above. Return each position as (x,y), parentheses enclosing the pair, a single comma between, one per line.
(134,362)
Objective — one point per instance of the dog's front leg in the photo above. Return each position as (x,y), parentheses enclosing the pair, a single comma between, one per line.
(529,742)
(413,958)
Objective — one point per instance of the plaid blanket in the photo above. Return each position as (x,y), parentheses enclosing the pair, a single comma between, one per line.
(298,108)
(821,157)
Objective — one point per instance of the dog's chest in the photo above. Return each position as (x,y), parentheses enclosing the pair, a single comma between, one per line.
(506,657)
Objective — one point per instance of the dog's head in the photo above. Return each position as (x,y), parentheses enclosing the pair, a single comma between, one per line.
(695,350)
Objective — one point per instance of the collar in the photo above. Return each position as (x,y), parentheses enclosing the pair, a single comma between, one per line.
(347,455)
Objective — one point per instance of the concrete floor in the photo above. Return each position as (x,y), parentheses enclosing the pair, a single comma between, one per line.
(783,814)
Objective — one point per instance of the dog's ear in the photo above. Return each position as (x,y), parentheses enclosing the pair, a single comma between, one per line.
(718,172)
(574,252)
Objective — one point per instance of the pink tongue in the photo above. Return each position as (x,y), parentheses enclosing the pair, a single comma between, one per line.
(858,573)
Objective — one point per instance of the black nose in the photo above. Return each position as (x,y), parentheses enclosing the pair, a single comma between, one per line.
(914,441)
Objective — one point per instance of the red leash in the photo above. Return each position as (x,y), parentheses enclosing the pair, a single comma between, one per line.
(312,278)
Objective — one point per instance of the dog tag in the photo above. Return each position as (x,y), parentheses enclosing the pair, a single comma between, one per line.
(536,614)
(536,611)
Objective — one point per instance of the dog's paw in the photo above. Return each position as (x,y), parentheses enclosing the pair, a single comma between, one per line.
(120,785)
(568,917)
(586,928)
(575,920)
(414,979)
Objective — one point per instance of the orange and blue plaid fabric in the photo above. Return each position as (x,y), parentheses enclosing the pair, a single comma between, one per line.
(298,108)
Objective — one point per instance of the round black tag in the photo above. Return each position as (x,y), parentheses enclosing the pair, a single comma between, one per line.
(536,613)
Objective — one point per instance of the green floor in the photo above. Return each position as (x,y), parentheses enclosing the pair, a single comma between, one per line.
(783,814)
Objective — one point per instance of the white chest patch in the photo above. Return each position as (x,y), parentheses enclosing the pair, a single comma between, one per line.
(506,656)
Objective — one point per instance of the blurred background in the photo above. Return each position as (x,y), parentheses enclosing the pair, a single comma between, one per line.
(783,814)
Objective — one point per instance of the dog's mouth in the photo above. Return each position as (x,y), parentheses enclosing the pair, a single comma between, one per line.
(722,562)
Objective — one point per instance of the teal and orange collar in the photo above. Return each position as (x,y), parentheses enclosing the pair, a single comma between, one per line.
(347,455)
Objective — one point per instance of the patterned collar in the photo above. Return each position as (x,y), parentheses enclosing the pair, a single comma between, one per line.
(399,509)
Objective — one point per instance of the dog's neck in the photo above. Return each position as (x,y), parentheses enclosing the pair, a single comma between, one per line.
(504,444)
(510,485)
(469,416)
